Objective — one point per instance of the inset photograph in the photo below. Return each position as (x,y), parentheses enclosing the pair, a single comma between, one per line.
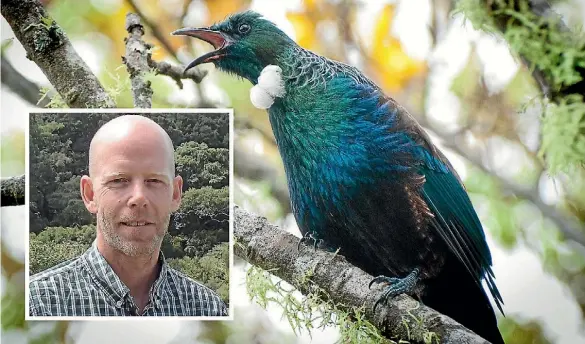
(129,213)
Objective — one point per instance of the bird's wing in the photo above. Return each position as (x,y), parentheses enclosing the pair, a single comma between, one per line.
(455,219)
(457,223)
(443,192)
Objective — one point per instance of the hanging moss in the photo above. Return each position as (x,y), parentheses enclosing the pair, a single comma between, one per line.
(556,56)
(563,138)
(310,312)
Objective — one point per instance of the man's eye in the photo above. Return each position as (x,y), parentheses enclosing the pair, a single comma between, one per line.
(154,180)
(117,182)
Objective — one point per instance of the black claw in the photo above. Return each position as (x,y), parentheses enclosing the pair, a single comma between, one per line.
(382,299)
(377,303)
(299,244)
(303,239)
(316,242)
(377,279)
(372,282)
(307,236)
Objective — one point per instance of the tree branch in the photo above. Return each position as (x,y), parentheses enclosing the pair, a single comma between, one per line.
(155,32)
(28,90)
(47,45)
(440,16)
(254,167)
(136,61)
(504,20)
(175,72)
(270,248)
(12,191)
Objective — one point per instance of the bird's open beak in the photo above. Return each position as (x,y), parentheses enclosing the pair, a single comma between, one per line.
(215,38)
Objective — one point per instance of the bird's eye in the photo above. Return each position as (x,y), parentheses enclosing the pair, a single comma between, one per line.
(244,28)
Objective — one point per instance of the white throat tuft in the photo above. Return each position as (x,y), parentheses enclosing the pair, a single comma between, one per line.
(270,85)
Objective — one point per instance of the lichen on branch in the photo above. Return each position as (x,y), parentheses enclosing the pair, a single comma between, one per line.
(47,45)
(136,61)
(331,278)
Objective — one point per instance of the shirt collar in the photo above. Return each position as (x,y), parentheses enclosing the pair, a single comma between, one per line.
(104,275)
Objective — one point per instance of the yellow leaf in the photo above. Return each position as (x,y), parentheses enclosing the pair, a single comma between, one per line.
(383,24)
(306,20)
(310,5)
(112,26)
(304,29)
(390,61)
(220,9)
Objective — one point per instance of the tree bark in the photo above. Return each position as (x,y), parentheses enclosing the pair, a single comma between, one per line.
(177,72)
(136,61)
(20,85)
(47,45)
(270,248)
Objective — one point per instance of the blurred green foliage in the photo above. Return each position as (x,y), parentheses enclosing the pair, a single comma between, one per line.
(523,332)
(557,53)
(563,134)
(11,153)
(13,306)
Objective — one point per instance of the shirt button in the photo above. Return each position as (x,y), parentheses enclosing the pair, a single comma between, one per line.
(119,303)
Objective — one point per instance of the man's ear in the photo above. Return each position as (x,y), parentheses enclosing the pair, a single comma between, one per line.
(177,193)
(88,194)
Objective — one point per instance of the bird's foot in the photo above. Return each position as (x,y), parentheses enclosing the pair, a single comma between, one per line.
(396,286)
(308,237)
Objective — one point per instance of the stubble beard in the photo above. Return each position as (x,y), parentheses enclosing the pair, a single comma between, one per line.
(129,247)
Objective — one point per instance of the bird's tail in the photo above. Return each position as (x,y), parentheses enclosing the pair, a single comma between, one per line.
(455,293)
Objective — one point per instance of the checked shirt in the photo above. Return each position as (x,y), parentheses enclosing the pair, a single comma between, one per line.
(88,286)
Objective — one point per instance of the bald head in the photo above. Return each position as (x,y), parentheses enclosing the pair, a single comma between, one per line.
(132,187)
(129,131)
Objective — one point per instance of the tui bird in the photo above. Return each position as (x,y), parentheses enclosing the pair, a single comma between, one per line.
(363,175)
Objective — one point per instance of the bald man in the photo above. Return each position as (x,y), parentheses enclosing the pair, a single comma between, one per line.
(132,189)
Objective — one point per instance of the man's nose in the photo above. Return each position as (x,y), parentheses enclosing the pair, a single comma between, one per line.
(138,197)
